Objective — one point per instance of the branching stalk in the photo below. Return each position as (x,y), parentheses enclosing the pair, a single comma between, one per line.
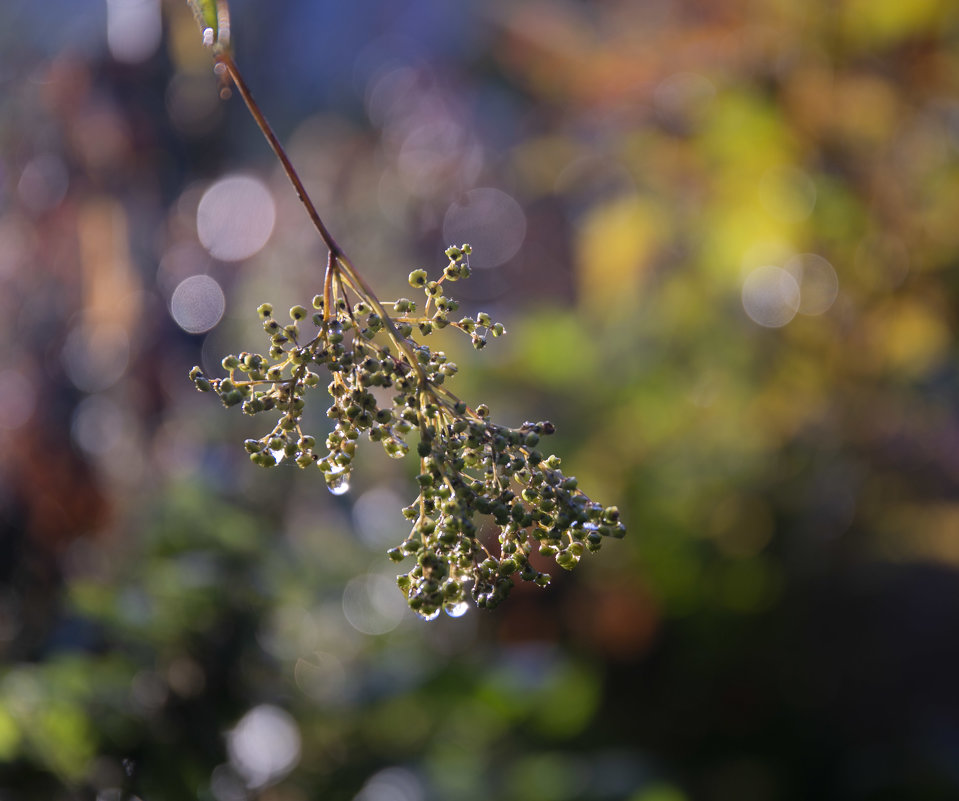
(469,466)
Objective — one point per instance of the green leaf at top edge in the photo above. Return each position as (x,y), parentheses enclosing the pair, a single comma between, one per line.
(205,13)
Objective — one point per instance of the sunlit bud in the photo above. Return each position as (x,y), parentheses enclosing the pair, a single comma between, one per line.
(418,278)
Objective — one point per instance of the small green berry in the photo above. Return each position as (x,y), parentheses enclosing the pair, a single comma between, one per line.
(418,278)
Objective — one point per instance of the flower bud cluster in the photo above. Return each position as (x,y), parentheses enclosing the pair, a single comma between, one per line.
(475,477)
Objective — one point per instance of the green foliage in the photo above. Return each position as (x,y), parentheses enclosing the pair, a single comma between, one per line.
(787,480)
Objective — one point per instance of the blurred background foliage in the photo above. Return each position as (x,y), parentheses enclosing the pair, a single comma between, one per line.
(724,238)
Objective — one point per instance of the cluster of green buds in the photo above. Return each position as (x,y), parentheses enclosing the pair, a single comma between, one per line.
(479,482)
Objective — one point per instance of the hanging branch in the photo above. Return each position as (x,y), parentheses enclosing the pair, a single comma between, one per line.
(471,469)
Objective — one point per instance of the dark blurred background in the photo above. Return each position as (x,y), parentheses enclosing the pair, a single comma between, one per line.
(724,238)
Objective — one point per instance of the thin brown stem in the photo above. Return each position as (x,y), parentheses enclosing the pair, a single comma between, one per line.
(227,61)
(336,252)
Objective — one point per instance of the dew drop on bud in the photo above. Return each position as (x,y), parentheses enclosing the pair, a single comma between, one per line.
(338,484)
(458,609)
(430,615)
(399,451)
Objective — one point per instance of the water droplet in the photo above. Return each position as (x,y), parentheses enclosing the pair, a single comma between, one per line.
(338,483)
(279,455)
(396,449)
(429,615)
(457,610)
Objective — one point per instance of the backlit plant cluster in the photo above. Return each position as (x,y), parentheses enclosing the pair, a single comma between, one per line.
(474,476)
(489,497)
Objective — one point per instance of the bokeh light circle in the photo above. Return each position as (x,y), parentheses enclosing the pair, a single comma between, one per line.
(374,514)
(490,220)
(95,355)
(265,745)
(134,29)
(770,296)
(787,193)
(818,282)
(372,604)
(197,304)
(392,784)
(43,183)
(235,217)
(98,425)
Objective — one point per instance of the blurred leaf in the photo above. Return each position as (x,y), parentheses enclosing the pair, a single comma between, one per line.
(615,245)
(544,777)
(910,336)
(659,792)
(567,701)
(10,736)
(886,22)
(551,349)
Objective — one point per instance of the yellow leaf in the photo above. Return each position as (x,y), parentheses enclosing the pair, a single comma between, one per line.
(614,246)
(885,22)
(9,736)
(911,337)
